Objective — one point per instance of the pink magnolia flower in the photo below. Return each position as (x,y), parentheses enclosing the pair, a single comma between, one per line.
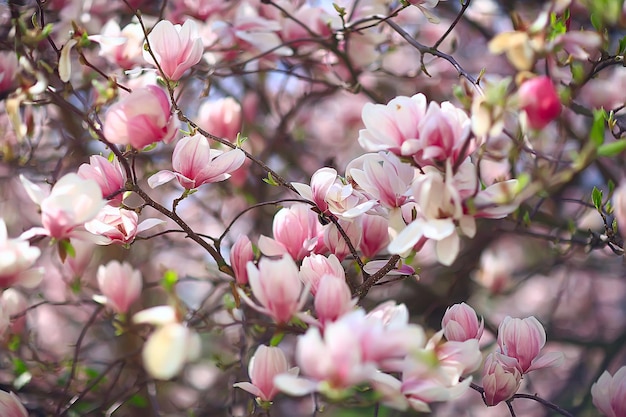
(195,163)
(176,48)
(523,339)
(140,119)
(501,378)
(276,286)
(221,117)
(17,258)
(315,266)
(117,225)
(295,231)
(170,346)
(374,235)
(333,299)
(335,195)
(8,70)
(393,127)
(460,323)
(443,133)
(110,176)
(240,254)
(120,46)
(120,285)
(336,243)
(265,365)
(332,362)
(11,406)
(71,202)
(609,392)
(539,100)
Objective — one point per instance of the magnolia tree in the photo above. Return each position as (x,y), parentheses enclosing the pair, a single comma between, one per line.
(305,208)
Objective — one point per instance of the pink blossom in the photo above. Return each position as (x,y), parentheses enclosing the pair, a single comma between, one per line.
(295,231)
(13,302)
(523,339)
(443,134)
(240,254)
(11,406)
(120,284)
(71,202)
(374,235)
(176,48)
(501,378)
(264,366)
(195,164)
(315,266)
(609,393)
(8,70)
(117,225)
(336,243)
(277,288)
(333,299)
(394,126)
(140,119)
(109,175)
(120,46)
(539,100)
(382,176)
(460,323)
(221,117)
(17,258)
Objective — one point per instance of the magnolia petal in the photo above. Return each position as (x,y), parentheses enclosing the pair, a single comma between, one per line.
(160,315)
(547,360)
(247,386)
(407,238)
(293,385)
(35,192)
(65,62)
(161,178)
(448,249)
(271,247)
(149,224)
(31,277)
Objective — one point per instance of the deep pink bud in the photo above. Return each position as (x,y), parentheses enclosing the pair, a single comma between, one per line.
(501,379)
(539,99)
(140,119)
(120,284)
(375,235)
(460,323)
(266,363)
(240,254)
(176,48)
(609,393)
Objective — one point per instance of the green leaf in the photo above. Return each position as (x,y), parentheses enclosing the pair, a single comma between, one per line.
(613,148)
(66,249)
(170,278)
(339,9)
(277,338)
(622,46)
(138,400)
(596,21)
(596,197)
(270,180)
(597,128)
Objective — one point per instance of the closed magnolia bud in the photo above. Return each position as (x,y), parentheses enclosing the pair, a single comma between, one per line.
(539,100)
(120,284)
(460,323)
(609,393)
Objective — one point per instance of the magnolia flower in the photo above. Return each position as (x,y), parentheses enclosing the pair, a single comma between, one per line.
(460,323)
(315,266)
(118,225)
(295,231)
(11,406)
(523,339)
(609,393)
(108,174)
(276,286)
(221,117)
(170,346)
(140,119)
(119,284)
(16,261)
(13,302)
(501,378)
(195,163)
(71,202)
(240,254)
(176,48)
(539,100)
(333,299)
(120,46)
(264,366)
